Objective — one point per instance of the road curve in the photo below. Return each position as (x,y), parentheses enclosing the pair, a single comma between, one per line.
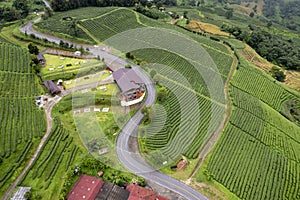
(132,161)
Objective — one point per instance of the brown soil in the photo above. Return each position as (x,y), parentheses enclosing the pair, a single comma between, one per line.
(292,77)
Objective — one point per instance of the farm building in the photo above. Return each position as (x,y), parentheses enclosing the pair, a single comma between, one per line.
(41,59)
(86,188)
(140,193)
(52,87)
(112,191)
(91,188)
(132,87)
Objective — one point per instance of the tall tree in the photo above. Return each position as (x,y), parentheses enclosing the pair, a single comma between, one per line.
(21,5)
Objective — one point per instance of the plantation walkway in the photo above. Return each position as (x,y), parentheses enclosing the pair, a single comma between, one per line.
(48,110)
(209,144)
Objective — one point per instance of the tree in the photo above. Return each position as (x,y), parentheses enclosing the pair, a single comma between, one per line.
(277,74)
(33,49)
(162,94)
(28,195)
(185,14)
(152,73)
(21,5)
(229,14)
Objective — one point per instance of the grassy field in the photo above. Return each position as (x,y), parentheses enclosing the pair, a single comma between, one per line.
(56,67)
(22,123)
(97,77)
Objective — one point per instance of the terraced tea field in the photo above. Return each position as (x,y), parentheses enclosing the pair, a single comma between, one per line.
(22,123)
(58,153)
(175,136)
(257,156)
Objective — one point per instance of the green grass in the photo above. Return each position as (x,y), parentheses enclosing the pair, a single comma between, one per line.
(97,77)
(79,67)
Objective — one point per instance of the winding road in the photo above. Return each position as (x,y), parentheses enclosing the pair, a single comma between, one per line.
(132,161)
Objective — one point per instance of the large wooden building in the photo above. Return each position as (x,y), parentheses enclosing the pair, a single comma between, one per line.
(131,86)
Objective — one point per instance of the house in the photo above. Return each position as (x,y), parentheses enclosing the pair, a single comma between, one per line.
(41,59)
(52,87)
(86,188)
(92,188)
(140,193)
(131,86)
(110,191)
(77,53)
(182,164)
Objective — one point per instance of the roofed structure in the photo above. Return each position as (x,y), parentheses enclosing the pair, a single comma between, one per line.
(86,188)
(41,59)
(52,87)
(140,193)
(127,79)
(110,191)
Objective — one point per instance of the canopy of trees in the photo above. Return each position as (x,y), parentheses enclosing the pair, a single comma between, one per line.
(275,48)
(286,13)
(62,5)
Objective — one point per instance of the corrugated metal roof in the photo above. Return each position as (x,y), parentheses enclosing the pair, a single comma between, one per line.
(127,79)
(52,87)
(86,188)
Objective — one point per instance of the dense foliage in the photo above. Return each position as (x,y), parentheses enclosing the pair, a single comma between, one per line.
(275,48)
(18,9)
(63,5)
(286,13)
(152,13)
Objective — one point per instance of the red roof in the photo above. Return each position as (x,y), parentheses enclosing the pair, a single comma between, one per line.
(140,193)
(86,188)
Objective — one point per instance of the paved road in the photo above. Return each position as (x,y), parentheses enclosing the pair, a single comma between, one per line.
(132,161)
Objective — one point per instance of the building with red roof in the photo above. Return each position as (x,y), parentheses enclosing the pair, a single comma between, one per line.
(86,188)
(140,193)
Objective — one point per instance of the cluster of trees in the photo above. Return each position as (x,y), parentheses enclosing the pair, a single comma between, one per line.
(18,10)
(34,50)
(152,13)
(283,12)
(63,5)
(277,74)
(275,48)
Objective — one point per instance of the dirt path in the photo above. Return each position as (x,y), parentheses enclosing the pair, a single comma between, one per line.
(48,111)
(209,144)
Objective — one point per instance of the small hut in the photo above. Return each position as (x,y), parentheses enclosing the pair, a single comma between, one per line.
(52,87)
